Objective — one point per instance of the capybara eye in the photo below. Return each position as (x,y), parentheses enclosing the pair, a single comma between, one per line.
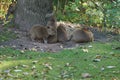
(48,27)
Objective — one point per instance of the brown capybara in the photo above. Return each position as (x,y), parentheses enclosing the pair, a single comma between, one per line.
(53,25)
(40,33)
(61,33)
(82,35)
(52,39)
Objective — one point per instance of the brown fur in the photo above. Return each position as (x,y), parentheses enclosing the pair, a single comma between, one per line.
(82,35)
(53,25)
(61,33)
(52,39)
(39,33)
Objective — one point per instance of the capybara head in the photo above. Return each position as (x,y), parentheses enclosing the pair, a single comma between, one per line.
(51,30)
(52,26)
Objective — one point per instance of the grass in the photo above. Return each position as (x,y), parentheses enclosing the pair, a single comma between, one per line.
(6,35)
(64,65)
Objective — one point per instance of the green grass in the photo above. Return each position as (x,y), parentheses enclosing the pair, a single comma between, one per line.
(6,35)
(64,65)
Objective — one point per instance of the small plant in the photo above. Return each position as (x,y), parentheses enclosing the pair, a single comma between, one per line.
(92,13)
(6,35)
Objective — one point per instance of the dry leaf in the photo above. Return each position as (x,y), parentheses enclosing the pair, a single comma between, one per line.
(17,70)
(90,46)
(34,62)
(34,67)
(25,73)
(85,50)
(48,66)
(102,69)
(110,67)
(85,75)
(96,60)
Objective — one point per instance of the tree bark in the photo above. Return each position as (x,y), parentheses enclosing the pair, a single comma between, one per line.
(31,12)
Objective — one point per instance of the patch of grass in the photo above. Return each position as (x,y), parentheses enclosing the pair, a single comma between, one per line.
(6,35)
(64,65)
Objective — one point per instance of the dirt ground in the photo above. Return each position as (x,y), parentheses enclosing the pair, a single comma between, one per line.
(23,42)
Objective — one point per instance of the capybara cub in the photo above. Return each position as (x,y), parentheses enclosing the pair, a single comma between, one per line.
(82,35)
(61,33)
(53,25)
(40,33)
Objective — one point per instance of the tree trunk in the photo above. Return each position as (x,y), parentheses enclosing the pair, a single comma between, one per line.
(31,12)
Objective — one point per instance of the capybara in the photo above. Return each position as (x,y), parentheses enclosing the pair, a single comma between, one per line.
(61,33)
(82,35)
(39,33)
(53,25)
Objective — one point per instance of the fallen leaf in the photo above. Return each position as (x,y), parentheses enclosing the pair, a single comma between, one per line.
(96,60)
(114,79)
(34,62)
(90,46)
(48,66)
(102,69)
(67,64)
(14,46)
(17,70)
(111,53)
(110,67)
(61,46)
(25,73)
(15,67)
(42,50)
(33,49)
(10,75)
(98,56)
(116,72)
(86,75)
(85,50)
(34,67)
(25,66)
(22,51)
(51,58)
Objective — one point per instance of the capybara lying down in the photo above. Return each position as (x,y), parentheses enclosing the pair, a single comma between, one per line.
(82,35)
(40,33)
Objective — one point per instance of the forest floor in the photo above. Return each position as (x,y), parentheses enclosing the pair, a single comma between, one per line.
(21,41)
